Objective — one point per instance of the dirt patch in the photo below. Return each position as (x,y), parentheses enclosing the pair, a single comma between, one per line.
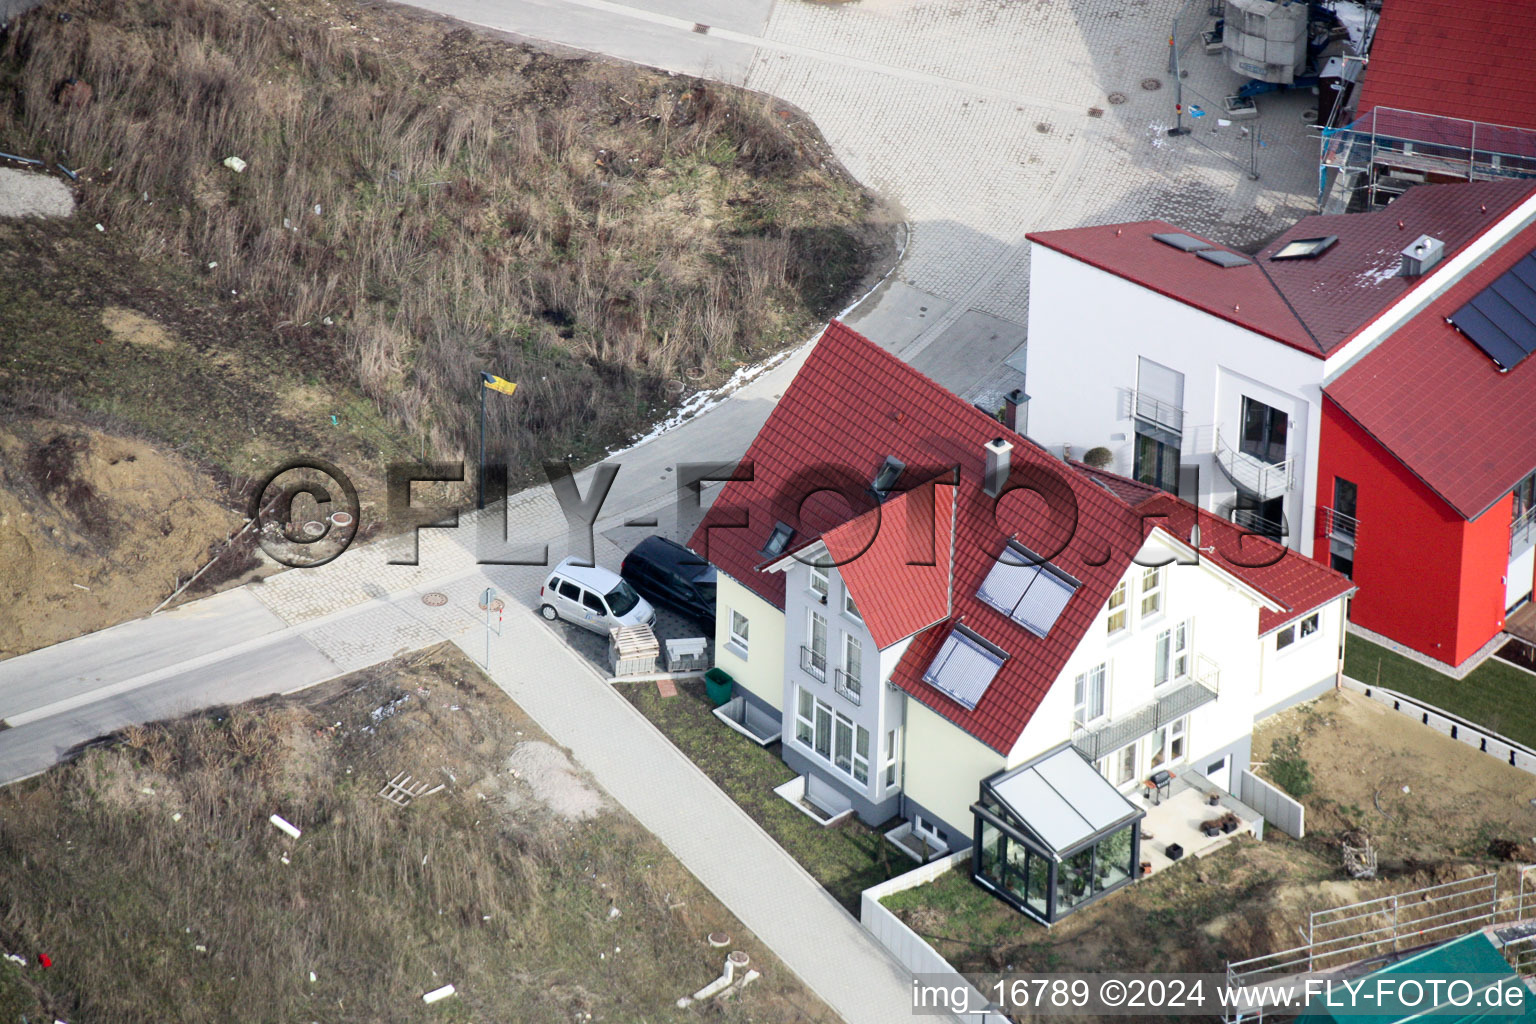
(201,909)
(94,529)
(1421,795)
(554,781)
(136,328)
(28,194)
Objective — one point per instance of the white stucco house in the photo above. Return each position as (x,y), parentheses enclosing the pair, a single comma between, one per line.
(1202,369)
(980,645)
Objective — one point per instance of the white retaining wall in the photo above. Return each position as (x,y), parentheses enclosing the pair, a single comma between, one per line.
(906,945)
(1484,739)
(1277,808)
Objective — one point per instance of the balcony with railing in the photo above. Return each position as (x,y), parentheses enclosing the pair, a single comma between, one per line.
(1180,697)
(1248,472)
(848,686)
(1253,522)
(814,662)
(1156,411)
(1335,525)
(1522,532)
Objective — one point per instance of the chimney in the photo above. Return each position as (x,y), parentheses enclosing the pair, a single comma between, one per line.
(998,451)
(1016,411)
(1421,255)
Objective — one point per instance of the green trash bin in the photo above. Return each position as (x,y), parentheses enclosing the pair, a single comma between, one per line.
(718,685)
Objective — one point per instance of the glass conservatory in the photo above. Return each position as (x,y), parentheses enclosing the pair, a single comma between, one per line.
(1053,835)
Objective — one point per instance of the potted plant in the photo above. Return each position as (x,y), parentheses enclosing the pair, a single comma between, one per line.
(1098,458)
(1213,799)
(1229,823)
(1211,827)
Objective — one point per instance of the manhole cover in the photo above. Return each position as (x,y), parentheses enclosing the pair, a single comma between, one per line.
(1116,98)
(497,604)
(720,940)
(314,528)
(675,387)
(342,519)
(434,599)
(1151,84)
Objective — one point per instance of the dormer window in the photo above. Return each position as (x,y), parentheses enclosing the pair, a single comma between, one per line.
(886,476)
(778,540)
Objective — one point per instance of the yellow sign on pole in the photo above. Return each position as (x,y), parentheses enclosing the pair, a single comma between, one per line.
(496,383)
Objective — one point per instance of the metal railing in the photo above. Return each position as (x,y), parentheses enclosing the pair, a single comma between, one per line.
(847,685)
(1156,411)
(1183,696)
(1522,531)
(1336,525)
(814,662)
(1381,930)
(1251,521)
(1429,144)
(1250,473)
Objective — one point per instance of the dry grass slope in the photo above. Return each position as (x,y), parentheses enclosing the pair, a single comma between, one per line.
(219,917)
(448,202)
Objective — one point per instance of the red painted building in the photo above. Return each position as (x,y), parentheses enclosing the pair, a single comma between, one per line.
(1427,463)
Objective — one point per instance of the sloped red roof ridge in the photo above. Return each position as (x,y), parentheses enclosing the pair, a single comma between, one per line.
(1340,292)
(1299,584)
(1455,59)
(1441,406)
(1240,295)
(896,560)
(853,404)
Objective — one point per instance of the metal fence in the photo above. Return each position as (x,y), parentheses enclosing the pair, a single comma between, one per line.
(1203,110)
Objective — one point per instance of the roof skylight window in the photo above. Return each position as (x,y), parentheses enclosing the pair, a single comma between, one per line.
(1028,589)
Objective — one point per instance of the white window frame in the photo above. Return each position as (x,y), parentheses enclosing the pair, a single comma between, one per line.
(813,619)
(892,744)
(805,717)
(1298,632)
(1122,611)
(849,607)
(853,663)
(1082,703)
(1152,590)
(1123,758)
(739,639)
(819,581)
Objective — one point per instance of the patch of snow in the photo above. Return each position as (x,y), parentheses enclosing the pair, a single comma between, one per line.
(26,194)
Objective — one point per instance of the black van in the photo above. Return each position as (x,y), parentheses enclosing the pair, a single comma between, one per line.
(669,574)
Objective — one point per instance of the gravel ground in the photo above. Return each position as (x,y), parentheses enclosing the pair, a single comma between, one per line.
(23,194)
(547,771)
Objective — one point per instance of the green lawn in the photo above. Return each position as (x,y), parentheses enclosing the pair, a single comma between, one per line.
(1496,695)
(846,859)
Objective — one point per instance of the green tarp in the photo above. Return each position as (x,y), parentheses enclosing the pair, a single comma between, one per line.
(1473,955)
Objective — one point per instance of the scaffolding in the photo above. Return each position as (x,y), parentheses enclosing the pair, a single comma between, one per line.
(1387,151)
(1348,941)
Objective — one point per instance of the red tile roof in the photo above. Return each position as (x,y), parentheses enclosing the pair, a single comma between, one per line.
(896,560)
(1241,295)
(1433,399)
(1455,59)
(850,406)
(1130,491)
(1339,292)
(1287,577)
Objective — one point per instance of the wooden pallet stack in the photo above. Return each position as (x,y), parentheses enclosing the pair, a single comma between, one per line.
(633,651)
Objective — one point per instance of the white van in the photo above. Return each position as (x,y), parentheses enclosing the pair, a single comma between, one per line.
(592,597)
